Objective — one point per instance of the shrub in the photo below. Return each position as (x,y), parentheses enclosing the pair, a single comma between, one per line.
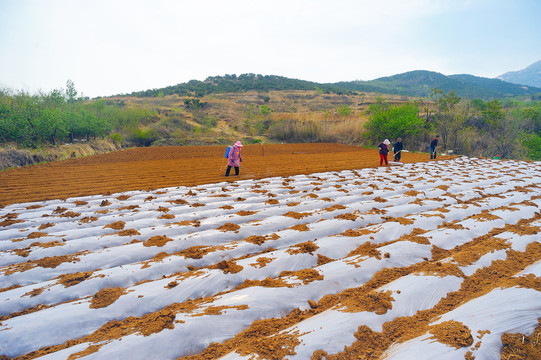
(142,137)
(344,110)
(265,110)
(117,139)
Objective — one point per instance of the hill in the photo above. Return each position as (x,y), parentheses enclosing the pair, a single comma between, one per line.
(417,83)
(530,76)
(420,83)
(235,84)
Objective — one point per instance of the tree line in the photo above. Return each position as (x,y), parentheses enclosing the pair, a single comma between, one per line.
(509,128)
(236,84)
(31,120)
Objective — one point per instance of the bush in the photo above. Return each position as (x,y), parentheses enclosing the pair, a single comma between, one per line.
(142,137)
(344,110)
(117,139)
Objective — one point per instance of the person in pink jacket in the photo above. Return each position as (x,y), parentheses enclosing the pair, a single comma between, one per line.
(234,158)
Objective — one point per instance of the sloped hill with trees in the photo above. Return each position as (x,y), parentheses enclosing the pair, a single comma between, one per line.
(234,83)
(421,82)
(223,109)
(417,83)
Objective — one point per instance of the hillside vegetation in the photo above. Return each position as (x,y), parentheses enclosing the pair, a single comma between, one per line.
(414,83)
(269,109)
(420,83)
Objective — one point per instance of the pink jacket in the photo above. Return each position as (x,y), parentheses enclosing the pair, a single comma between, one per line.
(234,157)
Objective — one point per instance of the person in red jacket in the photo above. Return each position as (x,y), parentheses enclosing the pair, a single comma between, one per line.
(234,158)
(383,151)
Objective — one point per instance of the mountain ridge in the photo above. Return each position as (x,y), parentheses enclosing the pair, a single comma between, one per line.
(529,76)
(417,83)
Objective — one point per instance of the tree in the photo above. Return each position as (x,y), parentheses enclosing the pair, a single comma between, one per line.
(532,146)
(71,92)
(391,122)
(501,127)
(446,120)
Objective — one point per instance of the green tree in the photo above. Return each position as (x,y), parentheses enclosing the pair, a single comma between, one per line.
(532,146)
(391,122)
(502,128)
(71,92)
(532,114)
(446,120)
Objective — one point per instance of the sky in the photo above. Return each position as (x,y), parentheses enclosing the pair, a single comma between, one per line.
(109,47)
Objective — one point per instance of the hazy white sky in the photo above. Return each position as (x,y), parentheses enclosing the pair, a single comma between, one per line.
(118,46)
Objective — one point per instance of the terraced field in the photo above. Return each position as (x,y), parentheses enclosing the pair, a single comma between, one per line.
(426,260)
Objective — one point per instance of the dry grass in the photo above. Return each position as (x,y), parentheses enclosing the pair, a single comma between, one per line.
(239,115)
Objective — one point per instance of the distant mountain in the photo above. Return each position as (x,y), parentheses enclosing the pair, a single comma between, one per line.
(417,83)
(531,76)
(421,82)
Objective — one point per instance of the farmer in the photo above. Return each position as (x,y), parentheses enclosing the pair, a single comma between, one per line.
(397,149)
(234,158)
(433,145)
(383,151)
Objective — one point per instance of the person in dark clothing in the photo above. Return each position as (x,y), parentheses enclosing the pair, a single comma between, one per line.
(433,145)
(383,151)
(397,149)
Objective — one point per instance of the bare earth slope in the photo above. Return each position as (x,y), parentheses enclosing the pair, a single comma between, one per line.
(156,167)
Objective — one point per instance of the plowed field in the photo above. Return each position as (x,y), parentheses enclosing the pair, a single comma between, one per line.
(157,167)
(432,260)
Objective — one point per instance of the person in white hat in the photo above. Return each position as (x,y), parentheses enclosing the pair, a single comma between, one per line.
(234,158)
(383,151)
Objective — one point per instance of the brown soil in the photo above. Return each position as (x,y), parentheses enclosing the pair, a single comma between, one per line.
(370,344)
(119,225)
(259,239)
(452,333)
(520,346)
(157,167)
(227,267)
(296,215)
(73,279)
(228,227)
(158,240)
(305,247)
(300,227)
(106,297)
(261,262)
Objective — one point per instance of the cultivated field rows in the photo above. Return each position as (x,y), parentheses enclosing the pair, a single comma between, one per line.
(297,267)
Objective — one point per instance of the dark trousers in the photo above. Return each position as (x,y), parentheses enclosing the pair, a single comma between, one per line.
(229,169)
(432,152)
(397,156)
